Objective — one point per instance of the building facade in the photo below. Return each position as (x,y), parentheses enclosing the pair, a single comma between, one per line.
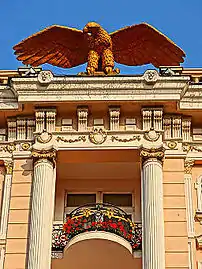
(101,172)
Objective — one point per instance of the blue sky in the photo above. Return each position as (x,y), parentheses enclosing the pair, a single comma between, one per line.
(179,20)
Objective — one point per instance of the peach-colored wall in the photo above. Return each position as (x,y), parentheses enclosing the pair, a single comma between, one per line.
(176,237)
(17,237)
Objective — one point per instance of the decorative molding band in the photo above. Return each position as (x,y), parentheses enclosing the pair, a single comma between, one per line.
(188,164)
(125,140)
(79,139)
(154,153)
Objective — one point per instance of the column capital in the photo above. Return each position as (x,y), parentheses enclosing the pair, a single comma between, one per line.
(152,153)
(8,166)
(188,164)
(49,154)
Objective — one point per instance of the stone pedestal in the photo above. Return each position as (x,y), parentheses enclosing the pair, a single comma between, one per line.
(42,209)
(152,210)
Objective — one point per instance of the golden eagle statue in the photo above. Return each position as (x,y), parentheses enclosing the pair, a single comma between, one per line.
(67,47)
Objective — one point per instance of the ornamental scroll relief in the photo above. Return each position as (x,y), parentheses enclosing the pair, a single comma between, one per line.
(152,153)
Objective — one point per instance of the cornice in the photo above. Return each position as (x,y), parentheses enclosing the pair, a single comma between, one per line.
(77,88)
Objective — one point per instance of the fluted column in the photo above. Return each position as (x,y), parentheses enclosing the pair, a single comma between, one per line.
(42,209)
(152,209)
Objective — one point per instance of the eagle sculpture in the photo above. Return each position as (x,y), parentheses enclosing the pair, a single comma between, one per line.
(68,47)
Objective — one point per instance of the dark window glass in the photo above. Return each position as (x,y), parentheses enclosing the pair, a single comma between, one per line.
(74,200)
(118,199)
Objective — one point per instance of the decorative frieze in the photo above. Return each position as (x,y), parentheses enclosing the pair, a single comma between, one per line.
(130,124)
(11,122)
(114,114)
(197,134)
(98,123)
(176,124)
(152,118)
(45,119)
(125,140)
(167,123)
(50,121)
(30,129)
(2,134)
(98,136)
(40,121)
(186,129)
(67,125)
(20,128)
(81,138)
(158,117)
(147,119)
(82,114)
(177,127)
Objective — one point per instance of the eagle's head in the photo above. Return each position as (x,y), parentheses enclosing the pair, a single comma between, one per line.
(91,28)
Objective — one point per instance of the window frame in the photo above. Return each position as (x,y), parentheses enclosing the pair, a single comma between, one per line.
(99,199)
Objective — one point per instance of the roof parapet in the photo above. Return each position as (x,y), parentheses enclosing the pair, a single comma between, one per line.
(194,73)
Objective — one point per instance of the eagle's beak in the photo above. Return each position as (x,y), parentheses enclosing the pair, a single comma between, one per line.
(85,30)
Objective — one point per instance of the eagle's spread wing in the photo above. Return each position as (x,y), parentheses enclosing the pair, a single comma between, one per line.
(143,44)
(56,45)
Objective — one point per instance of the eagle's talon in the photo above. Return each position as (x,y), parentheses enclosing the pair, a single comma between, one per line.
(108,70)
(90,70)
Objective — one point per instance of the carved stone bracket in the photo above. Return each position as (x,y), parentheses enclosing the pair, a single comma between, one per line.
(188,164)
(9,167)
(153,153)
(199,242)
(198,216)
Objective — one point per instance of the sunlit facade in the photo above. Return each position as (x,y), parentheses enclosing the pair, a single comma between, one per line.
(101,172)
